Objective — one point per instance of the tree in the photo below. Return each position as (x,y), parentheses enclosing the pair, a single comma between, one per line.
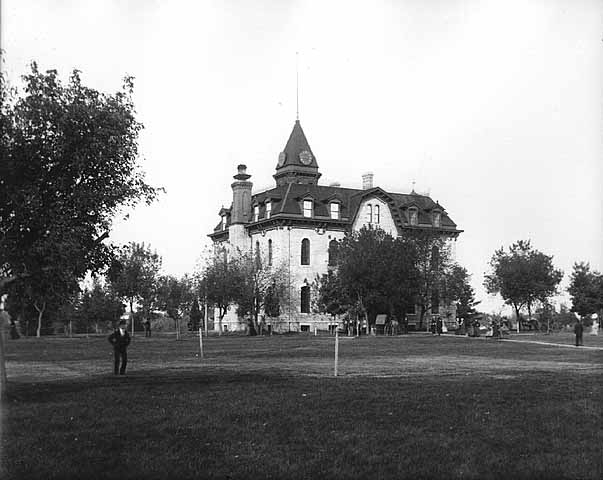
(134,276)
(331,297)
(221,281)
(586,290)
(437,280)
(523,276)
(99,307)
(262,287)
(466,303)
(175,296)
(68,165)
(375,273)
(195,316)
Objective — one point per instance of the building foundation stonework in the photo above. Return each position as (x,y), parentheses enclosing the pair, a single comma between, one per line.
(295,223)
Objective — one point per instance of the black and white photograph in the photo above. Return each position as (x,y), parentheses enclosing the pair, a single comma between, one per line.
(301,239)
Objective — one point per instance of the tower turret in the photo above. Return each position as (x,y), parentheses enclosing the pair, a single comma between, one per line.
(296,163)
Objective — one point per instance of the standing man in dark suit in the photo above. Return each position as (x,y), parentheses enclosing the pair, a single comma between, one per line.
(579,330)
(120,339)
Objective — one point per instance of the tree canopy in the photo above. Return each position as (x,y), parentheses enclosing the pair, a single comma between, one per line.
(69,164)
(586,290)
(523,276)
(134,275)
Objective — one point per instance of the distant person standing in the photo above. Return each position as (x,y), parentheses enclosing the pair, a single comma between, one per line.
(439,325)
(578,330)
(120,339)
(147,328)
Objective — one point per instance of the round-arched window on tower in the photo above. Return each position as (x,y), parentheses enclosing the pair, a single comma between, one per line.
(305,252)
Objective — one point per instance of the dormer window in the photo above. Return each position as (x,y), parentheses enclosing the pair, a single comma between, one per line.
(308,208)
(223,222)
(413,215)
(437,219)
(256,213)
(334,210)
(268,209)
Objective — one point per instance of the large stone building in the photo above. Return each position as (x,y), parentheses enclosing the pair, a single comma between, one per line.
(295,222)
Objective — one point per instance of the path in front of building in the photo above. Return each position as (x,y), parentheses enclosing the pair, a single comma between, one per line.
(538,342)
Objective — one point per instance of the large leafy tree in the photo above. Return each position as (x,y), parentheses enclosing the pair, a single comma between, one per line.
(586,290)
(376,273)
(69,163)
(134,276)
(523,276)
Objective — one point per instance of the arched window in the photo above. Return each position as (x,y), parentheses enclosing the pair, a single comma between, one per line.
(435,257)
(332,253)
(268,209)
(377,214)
(370,213)
(270,252)
(257,254)
(305,299)
(305,252)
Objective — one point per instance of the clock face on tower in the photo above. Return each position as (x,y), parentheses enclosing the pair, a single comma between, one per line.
(281,158)
(305,157)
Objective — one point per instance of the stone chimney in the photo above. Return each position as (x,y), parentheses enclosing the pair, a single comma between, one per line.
(241,197)
(367,181)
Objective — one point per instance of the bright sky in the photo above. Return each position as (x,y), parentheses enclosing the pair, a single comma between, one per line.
(493,107)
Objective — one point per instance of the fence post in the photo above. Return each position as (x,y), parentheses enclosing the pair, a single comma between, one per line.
(336,348)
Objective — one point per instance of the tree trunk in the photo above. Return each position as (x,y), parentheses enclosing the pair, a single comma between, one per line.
(132,315)
(40,314)
(516,307)
(177,328)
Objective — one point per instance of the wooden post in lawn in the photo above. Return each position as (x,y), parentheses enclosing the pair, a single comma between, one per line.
(200,343)
(336,348)
(3,323)
(205,317)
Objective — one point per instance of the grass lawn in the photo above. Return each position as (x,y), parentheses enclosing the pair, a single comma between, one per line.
(413,406)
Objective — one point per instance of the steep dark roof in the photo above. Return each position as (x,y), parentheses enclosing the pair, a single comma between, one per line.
(296,144)
(287,200)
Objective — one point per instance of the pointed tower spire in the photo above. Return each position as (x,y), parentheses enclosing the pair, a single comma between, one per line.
(296,163)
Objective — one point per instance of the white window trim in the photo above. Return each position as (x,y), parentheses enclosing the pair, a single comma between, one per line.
(308,213)
(256,213)
(334,210)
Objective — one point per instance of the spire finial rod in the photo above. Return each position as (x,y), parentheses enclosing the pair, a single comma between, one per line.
(297,86)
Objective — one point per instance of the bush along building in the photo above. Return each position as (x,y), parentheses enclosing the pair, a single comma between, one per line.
(295,223)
